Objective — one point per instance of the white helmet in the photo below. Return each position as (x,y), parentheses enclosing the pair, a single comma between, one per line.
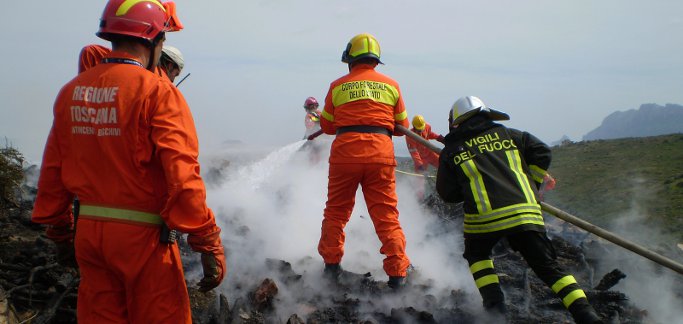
(174,55)
(466,107)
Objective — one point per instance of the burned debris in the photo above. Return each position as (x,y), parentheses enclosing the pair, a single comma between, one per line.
(36,287)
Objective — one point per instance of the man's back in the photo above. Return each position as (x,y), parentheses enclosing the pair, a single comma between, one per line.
(368,98)
(115,127)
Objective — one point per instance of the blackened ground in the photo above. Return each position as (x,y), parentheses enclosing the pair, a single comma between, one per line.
(39,289)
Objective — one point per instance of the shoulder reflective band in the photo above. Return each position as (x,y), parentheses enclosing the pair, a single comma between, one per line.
(122,61)
(365,90)
(120,214)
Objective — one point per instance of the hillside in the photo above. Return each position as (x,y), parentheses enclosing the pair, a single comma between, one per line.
(648,120)
(605,181)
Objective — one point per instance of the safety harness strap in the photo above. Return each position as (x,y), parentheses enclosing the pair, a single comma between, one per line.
(125,215)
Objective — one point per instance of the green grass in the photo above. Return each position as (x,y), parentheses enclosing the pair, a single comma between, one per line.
(601,181)
(609,181)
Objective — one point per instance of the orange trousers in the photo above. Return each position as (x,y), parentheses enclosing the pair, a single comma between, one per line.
(379,190)
(128,276)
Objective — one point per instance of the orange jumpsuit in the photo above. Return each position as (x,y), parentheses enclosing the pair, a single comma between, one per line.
(422,156)
(92,55)
(371,100)
(123,140)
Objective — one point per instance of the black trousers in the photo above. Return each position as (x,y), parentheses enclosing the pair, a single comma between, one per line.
(539,253)
(535,248)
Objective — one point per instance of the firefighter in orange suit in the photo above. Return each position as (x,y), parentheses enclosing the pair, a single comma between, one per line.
(123,141)
(422,156)
(361,108)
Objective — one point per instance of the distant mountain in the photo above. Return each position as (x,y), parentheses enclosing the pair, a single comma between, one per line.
(649,120)
(564,140)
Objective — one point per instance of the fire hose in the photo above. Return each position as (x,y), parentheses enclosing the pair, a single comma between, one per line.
(578,222)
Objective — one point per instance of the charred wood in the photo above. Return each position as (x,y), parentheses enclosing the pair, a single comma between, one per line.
(610,280)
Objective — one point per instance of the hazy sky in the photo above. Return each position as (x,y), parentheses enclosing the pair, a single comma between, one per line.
(557,67)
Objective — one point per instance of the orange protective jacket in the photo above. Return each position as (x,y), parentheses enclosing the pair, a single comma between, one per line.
(422,156)
(93,54)
(125,138)
(363,97)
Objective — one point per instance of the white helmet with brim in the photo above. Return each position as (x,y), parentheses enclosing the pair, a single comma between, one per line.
(174,55)
(466,107)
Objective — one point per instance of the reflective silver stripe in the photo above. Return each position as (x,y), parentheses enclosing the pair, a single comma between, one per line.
(505,211)
(121,214)
(481,197)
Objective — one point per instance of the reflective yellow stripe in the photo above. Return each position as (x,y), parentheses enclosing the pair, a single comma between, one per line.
(524,208)
(126,5)
(563,282)
(121,214)
(401,116)
(516,167)
(486,280)
(572,297)
(537,173)
(481,265)
(365,90)
(518,220)
(481,197)
(328,116)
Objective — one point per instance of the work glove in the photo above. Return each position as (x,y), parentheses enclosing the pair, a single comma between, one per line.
(214,271)
(548,182)
(213,257)
(441,139)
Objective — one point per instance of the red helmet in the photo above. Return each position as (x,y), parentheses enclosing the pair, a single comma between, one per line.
(310,101)
(138,18)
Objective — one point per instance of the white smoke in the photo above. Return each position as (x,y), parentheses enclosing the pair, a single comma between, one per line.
(272,207)
(649,286)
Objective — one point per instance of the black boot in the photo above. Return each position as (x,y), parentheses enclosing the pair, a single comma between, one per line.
(396,283)
(497,307)
(583,313)
(332,271)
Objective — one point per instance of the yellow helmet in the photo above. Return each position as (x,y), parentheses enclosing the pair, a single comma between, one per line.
(361,46)
(419,122)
